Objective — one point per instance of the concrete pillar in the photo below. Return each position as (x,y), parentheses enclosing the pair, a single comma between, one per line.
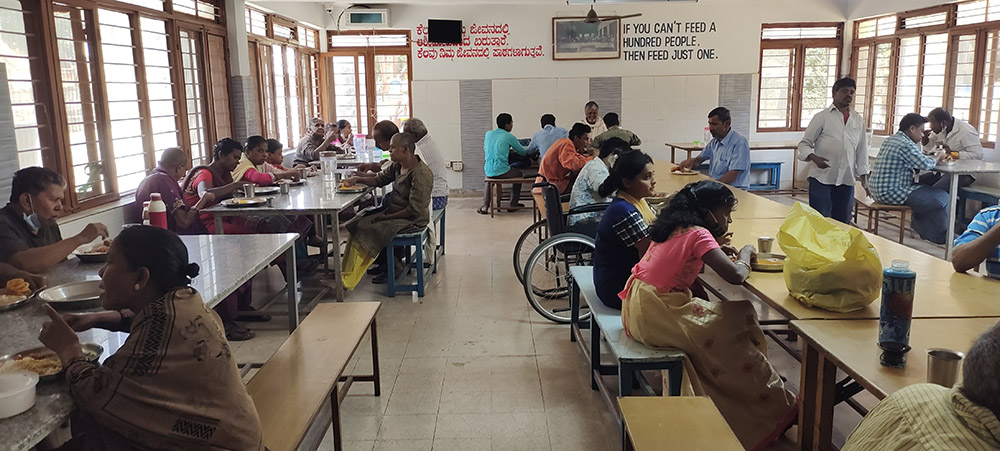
(244,97)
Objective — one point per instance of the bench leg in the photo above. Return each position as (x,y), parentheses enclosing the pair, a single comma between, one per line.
(441,234)
(375,370)
(390,267)
(626,378)
(338,443)
(419,251)
(902,226)
(674,375)
(595,351)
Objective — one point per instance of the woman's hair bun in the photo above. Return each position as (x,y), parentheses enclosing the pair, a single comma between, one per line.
(191,270)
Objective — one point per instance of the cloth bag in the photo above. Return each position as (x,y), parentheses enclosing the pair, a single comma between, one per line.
(828,266)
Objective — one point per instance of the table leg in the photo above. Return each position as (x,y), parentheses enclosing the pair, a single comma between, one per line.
(291,280)
(819,386)
(673,159)
(321,230)
(218,224)
(795,171)
(338,283)
(952,207)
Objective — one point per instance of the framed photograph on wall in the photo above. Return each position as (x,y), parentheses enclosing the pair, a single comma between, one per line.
(575,39)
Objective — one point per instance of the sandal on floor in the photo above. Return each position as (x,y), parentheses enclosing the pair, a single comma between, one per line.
(236,332)
(253,318)
(515,207)
(482,211)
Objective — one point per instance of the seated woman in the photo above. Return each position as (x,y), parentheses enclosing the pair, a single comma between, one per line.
(273,159)
(173,384)
(725,348)
(407,208)
(217,178)
(30,239)
(252,167)
(345,139)
(623,233)
(588,182)
(165,179)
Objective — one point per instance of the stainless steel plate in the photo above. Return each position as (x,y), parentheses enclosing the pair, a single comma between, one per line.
(76,295)
(15,304)
(244,203)
(756,266)
(266,190)
(92,257)
(92,351)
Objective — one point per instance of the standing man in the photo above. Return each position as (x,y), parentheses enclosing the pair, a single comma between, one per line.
(615,131)
(958,138)
(835,144)
(497,145)
(566,158)
(892,179)
(320,139)
(544,138)
(431,153)
(728,153)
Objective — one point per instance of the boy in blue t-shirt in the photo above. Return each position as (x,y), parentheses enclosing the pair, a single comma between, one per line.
(981,241)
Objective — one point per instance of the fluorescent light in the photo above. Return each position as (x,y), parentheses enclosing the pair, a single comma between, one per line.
(611,2)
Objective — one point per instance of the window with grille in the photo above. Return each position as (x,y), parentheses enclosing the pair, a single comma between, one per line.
(798,67)
(163,124)
(220,85)
(194,96)
(122,87)
(862,65)
(198,8)
(31,131)
(963,70)
(977,12)
(989,112)
(256,22)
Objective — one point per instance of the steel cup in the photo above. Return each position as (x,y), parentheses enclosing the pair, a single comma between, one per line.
(283,187)
(764,244)
(943,365)
(248,190)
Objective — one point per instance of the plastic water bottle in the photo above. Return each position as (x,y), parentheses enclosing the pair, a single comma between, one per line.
(898,282)
(157,211)
(707,136)
(328,165)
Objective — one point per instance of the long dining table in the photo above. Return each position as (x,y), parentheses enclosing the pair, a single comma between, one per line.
(226,262)
(315,197)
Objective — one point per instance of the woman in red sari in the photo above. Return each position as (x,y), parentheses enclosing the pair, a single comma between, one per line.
(217,178)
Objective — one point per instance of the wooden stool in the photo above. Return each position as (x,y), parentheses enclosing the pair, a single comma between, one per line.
(875,210)
(494,187)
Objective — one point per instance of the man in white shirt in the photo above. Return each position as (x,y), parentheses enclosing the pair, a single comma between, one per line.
(954,136)
(593,119)
(430,152)
(835,144)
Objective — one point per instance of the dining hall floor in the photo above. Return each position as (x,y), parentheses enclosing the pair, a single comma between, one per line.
(473,367)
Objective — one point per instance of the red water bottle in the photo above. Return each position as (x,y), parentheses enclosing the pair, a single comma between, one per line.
(157,211)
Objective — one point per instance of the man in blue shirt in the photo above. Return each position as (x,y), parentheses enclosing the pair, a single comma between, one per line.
(497,144)
(544,138)
(728,153)
(891,181)
(981,241)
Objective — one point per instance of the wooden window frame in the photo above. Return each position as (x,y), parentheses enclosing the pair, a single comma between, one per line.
(798,71)
(327,88)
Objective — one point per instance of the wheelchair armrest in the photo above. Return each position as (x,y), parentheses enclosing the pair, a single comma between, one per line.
(589,208)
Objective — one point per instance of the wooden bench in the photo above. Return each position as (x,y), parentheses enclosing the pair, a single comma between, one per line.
(875,211)
(773,175)
(988,195)
(676,422)
(495,186)
(632,357)
(293,387)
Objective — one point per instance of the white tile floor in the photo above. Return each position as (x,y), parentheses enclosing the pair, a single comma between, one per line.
(472,366)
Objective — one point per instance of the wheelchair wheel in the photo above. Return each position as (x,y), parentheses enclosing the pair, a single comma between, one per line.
(526,244)
(546,275)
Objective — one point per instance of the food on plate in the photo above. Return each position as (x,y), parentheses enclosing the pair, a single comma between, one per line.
(8,299)
(681,170)
(773,261)
(347,184)
(40,364)
(17,286)
(100,248)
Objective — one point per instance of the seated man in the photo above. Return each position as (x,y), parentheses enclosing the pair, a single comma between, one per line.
(165,179)
(980,242)
(430,153)
(929,416)
(566,158)
(891,180)
(957,138)
(319,140)
(497,145)
(728,153)
(544,138)
(29,236)
(615,131)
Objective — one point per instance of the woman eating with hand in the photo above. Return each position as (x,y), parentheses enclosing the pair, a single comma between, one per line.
(623,233)
(252,167)
(724,346)
(173,384)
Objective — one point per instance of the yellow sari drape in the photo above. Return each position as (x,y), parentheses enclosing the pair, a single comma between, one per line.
(641,205)
(244,166)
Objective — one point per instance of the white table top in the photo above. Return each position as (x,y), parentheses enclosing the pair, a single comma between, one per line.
(314,197)
(227,261)
(968,167)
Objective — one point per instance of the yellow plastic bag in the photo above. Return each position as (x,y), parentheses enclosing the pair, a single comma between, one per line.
(827,266)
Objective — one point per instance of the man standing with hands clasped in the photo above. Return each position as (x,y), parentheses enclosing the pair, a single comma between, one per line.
(835,143)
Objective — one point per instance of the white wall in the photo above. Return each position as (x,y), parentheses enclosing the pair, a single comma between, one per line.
(661,100)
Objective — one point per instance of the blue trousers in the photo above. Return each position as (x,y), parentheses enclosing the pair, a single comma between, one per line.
(832,201)
(930,213)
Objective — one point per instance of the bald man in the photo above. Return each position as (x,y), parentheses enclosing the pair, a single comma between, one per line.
(164,179)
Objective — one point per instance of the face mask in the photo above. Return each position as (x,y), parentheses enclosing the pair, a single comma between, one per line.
(32,220)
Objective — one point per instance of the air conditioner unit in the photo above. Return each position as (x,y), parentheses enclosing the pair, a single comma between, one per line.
(365,18)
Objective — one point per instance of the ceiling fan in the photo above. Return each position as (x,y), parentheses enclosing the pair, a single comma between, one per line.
(592,16)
